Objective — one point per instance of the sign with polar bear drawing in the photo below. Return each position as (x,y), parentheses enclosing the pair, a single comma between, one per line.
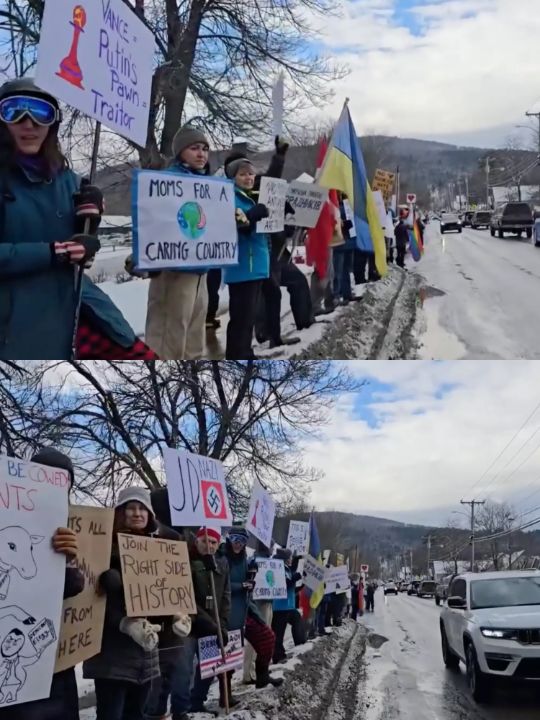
(33,504)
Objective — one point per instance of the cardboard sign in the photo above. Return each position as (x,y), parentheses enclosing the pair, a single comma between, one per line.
(83,615)
(197,491)
(262,510)
(308,201)
(313,573)
(99,58)
(273,194)
(156,576)
(183,221)
(384,181)
(270,583)
(211,660)
(34,503)
(298,537)
(336,579)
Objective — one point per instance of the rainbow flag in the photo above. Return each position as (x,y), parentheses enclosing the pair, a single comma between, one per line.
(416,245)
(344,169)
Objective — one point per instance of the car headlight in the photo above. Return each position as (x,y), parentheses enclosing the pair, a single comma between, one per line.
(499,633)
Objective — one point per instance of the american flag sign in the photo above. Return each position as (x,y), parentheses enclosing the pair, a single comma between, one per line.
(210,660)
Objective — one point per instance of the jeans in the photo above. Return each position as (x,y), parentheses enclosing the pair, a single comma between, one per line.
(187,694)
(119,700)
(343,266)
(158,700)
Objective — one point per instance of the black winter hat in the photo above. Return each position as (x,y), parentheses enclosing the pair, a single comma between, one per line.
(283,554)
(54,458)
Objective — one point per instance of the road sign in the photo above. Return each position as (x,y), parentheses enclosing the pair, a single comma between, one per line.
(411,198)
(364,568)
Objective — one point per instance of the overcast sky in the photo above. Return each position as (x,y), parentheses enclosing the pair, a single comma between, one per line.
(463,69)
(420,435)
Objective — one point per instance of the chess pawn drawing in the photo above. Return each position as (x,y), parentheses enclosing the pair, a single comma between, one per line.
(70,70)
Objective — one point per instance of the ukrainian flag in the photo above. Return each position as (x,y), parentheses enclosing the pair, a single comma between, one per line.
(344,169)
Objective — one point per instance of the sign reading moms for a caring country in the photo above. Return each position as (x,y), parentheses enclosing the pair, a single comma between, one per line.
(183,221)
(83,615)
(336,579)
(97,56)
(273,194)
(270,583)
(197,491)
(156,576)
(211,661)
(308,201)
(313,573)
(34,503)
(298,537)
(262,510)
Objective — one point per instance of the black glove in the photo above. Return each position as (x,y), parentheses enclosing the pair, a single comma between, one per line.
(289,210)
(88,202)
(259,212)
(209,562)
(347,224)
(281,146)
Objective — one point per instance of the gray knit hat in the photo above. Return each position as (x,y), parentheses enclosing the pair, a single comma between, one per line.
(185,137)
(135,494)
(232,168)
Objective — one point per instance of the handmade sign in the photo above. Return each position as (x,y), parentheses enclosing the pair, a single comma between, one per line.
(211,660)
(197,491)
(381,209)
(156,576)
(98,57)
(262,510)
(298,537)
(83,615)
(34,503)
(270,583)
(384,181)
(313,573)
(273,193)
(183,221)
(336,579)
(308,201)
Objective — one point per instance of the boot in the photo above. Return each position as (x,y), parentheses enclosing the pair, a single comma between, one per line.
(233,702)
(264,679)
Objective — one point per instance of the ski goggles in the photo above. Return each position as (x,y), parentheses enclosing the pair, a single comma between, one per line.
(40,111)
(238,538)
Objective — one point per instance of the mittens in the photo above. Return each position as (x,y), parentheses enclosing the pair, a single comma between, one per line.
(141,631)
(181,625)
(259,212)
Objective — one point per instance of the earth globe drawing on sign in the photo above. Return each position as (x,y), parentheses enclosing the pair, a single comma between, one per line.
(192,220)
(270,580)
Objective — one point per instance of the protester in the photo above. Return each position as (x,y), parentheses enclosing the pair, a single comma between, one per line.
(354,578)
(245,279)
(178,299)
(63,700)
(402,240)
(370,597)
(343,259)
(264,610)
(188,696)
(128,663)
(213,283)
(284,610)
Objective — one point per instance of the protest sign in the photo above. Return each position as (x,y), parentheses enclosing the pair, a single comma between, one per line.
(273,194)
(183,221)
(326,556)
(384,180)
(313,573)
(336,579)
(34,503)
(308,201)
(211,660)
(298,537)
(83,615)
(270,581)
(262,510)
(381,209)
(197,492)
(156,576)
(98,57)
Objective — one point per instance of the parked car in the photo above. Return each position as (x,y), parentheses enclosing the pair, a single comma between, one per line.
(413,587)
(390,587)
(481,218)
(491,622)
(450,221)
(512,217)
(441,591)
(427,588)
(404,586)
(467,218)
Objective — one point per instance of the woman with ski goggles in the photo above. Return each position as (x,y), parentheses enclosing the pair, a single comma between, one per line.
(48,226)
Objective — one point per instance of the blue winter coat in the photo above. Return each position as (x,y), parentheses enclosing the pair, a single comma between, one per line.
(37,296)
(288,603)
(253,249)
(238,567)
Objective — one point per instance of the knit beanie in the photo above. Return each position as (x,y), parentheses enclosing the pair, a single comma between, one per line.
(232,167)
(54,458)
(212,533)
(135,494)
(185,137)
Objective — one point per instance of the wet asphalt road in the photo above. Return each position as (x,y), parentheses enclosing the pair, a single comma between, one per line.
(406,679)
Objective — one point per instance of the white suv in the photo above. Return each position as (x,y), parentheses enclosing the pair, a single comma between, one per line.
(492,623)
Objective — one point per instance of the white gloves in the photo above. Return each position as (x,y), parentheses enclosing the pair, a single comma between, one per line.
(181,625)
(143,632)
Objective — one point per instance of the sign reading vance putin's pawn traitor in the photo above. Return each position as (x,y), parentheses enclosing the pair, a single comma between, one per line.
(261,514)
(183,221)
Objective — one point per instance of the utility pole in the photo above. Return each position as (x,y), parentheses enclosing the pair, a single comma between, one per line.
(537,116)
(467,191)
(427,538)
(473,504)
(488,169)
(459,191)
(411,563)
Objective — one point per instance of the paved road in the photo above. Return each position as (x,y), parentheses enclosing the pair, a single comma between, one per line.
(489,301)
(406,679)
